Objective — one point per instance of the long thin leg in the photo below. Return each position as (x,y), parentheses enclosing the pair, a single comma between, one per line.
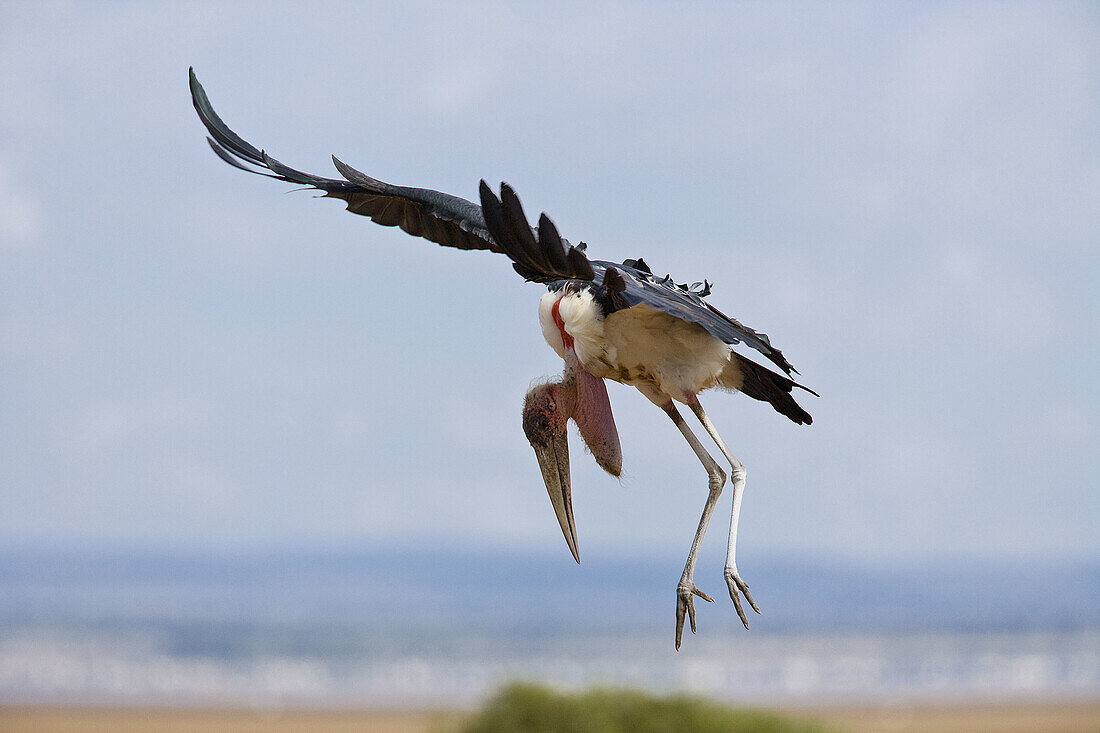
(684,602)
(738,477)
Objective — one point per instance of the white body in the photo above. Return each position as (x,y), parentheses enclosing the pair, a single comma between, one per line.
(640,346)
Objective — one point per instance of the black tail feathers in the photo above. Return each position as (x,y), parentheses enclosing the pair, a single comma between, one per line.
(765,385)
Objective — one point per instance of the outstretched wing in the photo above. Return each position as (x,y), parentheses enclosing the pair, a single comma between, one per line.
(438,217)
(498,225)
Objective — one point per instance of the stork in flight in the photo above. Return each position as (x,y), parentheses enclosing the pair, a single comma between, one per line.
(606,320)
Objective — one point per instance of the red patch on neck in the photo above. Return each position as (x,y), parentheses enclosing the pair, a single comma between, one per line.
(556,314)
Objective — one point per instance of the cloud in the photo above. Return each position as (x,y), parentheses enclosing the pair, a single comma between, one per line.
(40,341)
(107,427)
(992,300)
(20,216)
(459,88)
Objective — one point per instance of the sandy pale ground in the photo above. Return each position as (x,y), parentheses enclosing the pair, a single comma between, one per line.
(1063,718)
(1034,718)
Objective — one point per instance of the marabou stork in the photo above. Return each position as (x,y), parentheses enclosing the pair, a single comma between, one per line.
(606,320)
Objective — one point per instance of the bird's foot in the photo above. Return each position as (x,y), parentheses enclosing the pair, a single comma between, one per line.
(685,606)
(733,580)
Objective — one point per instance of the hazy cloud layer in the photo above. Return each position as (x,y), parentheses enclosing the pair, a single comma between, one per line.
(907,199)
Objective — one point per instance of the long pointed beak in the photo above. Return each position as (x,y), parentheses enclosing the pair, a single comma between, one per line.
(546,413)
(554,463)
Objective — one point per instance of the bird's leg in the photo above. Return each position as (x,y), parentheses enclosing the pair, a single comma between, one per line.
(737,486)
(684,602)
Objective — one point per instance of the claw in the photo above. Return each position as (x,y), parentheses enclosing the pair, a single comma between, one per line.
(685,606)
(701,594)
(733,580)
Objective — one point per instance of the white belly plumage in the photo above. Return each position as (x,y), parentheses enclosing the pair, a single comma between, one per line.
(639,346)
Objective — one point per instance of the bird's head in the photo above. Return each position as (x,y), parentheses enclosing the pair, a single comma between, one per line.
(546,413)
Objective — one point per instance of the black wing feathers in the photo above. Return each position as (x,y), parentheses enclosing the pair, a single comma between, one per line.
(447,220)
(767,386)
(228,158)
(559,257)
(547,259)
(519,231)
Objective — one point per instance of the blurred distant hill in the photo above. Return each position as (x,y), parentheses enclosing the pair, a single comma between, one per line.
(426,594)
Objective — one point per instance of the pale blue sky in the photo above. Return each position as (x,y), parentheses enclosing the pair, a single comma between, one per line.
(905,197)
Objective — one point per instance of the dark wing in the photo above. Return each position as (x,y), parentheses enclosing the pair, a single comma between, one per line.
(540,255)
(438,217)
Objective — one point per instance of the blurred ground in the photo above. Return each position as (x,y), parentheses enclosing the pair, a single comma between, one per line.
(1064,718)
(1032,718)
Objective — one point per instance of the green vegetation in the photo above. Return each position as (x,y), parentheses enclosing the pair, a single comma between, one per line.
(528,708)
